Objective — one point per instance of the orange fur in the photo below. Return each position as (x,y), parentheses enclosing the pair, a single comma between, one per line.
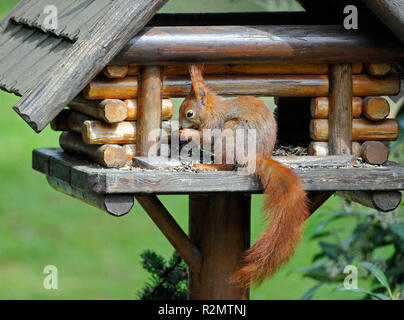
(285,206)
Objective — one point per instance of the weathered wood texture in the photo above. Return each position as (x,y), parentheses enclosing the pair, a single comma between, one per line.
(149,108)
(378,69)
(258,44)
(376,108)
(173,232)
(78,173)
(86,58)
(340,109)
(319,107)
(108,110)
(115,204)
(362,130)
(219,224)
(319,148)
(374,152)
(259,85)
(107,155)
(391,13)
(267,68)
(380,200)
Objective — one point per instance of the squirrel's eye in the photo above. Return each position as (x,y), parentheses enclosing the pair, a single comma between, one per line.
(190,114)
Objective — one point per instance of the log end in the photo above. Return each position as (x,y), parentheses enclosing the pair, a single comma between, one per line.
(378,69)
(118,205)
(115,111)
(374,152)
(376,108)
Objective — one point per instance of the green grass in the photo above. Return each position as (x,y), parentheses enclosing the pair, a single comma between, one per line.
(97,255)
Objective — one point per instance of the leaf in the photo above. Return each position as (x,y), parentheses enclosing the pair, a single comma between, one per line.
(375,270)
(378,296)
(311,292)
(398,229)
(332,251)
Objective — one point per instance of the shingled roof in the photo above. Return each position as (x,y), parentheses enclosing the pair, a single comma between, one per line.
(49,67)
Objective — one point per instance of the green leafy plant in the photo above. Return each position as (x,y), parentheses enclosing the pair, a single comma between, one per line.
(168,279)
(376,245)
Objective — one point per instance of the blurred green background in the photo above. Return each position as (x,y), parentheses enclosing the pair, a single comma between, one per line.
(97,256)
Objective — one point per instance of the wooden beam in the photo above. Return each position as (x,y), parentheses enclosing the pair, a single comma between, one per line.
(317,199)
(173,232)
(340,109)
(391,13)
(149,108)
(362,130)
(321,148)
(86,58)
(108,110)
(116,205)
(80,174)
(235,18)
(107,155)
(267,68)
(219,224)
(319,107)
(258,85)
(380,200)
(261,44)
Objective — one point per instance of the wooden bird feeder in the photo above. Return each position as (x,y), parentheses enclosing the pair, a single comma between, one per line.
(116,65)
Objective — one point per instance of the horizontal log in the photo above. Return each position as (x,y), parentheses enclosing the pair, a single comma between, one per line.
(258,85)
(116,71)
(258,44)
(108,110)
(380,200)
(268,68)
(69,120)
(116,110)
(117,205)
(97,132)
(167,109)
(363,130)
(79,174)
(320,107)
(108,155)
(318,148)
(378,69)
(376,108)
(374,152)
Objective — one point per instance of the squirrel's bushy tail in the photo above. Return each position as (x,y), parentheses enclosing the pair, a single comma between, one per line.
(286,210)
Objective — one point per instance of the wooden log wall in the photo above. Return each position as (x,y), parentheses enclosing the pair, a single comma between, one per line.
(126,101)
(368,124)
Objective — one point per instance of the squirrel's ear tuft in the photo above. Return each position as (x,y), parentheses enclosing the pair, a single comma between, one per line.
(198,85)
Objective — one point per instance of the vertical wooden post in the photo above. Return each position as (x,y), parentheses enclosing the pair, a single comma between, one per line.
(219,224)
(340,114)
(149,106)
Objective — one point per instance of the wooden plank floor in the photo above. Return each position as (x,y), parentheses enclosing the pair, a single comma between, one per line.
(331,177)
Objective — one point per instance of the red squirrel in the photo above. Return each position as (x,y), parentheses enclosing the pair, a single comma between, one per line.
(286,204)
